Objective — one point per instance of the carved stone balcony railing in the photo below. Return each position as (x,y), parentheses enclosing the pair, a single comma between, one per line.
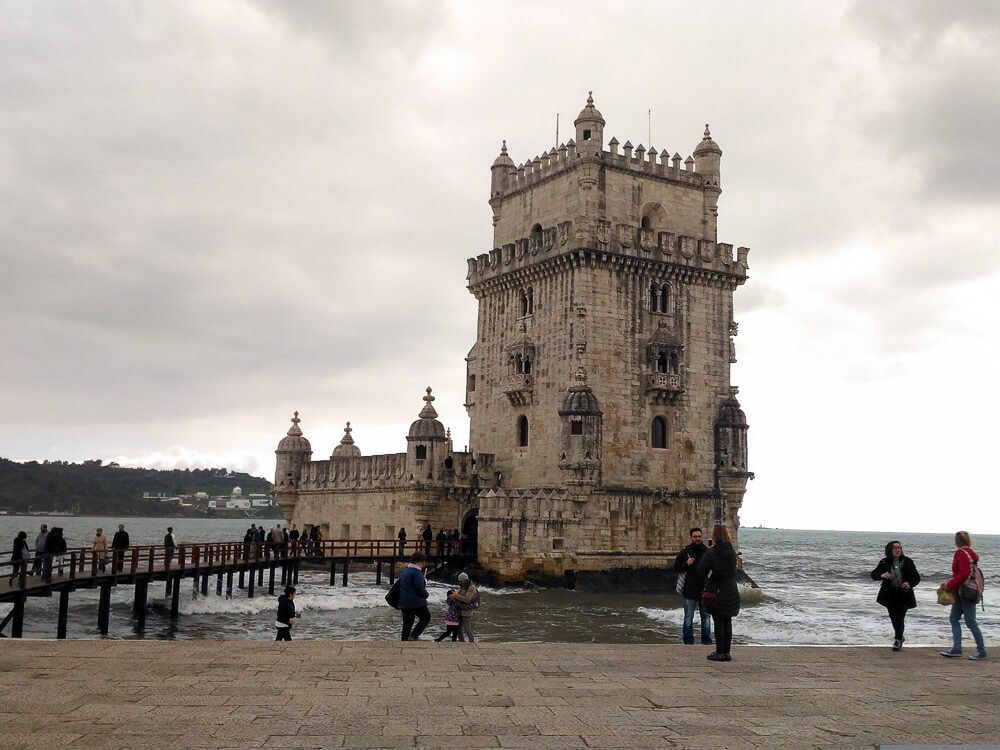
(518,389)
(664,387)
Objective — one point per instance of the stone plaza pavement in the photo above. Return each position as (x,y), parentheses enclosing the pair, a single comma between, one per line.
(378,694)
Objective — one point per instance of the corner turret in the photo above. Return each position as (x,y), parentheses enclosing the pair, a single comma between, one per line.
(347,448)
(589,129)
(582,425)
(708,162)
(294,452)
(427,443)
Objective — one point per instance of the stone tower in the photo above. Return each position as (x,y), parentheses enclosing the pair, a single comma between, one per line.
(601,368)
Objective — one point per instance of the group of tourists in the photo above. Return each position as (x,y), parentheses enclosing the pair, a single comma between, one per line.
(280,540)
(448,542)
(706,579)
(460,604)
(962,592)
(49,552)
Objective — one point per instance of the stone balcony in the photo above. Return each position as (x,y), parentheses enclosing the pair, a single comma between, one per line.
(518,389)
(664,387)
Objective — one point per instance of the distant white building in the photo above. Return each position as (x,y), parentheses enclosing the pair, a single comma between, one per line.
(238,503)
(237,491)
(213,503)
(258,500)
(201,495)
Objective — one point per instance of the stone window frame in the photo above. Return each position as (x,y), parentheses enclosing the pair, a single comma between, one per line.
(521,431)
(663,434)
(660,298)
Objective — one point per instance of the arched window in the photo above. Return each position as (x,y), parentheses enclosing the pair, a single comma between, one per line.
(421,452)
(674,364)
(661,362)
(665,299)
(531,301)
(526,366)
(522,431)
(654,298)
(658,438)
(646,223)
(472,383)
(518,364)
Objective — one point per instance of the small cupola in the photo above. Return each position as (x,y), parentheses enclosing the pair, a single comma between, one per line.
(347,448)
(427,426)
(708,158)
(589,129)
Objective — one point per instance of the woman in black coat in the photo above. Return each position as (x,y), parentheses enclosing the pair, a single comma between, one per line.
(722,595)
(20,555)
(899,575)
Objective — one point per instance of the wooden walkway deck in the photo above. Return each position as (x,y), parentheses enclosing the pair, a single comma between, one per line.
(234,565)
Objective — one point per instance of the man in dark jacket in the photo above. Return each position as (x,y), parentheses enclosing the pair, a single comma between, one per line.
(286,615)
(427,535)
(413,597)
(686,564)
(119,544)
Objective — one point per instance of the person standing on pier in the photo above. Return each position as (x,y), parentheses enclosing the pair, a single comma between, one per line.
(36,566)
(55,548)
(898,575)
(169,545)
(119,544)
(401,536)
(100,549)
(720,562)
(286,615)
(19,556)
(686,564)
(413,597)
(427,535)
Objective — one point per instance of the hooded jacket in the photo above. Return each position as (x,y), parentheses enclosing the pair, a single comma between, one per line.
(720,561)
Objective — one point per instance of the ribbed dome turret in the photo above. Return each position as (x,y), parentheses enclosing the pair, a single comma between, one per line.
(707,145)
(503,160)
(427,426)
(730,413)
(347,448)
(294,441)
(579,398)
(590,113)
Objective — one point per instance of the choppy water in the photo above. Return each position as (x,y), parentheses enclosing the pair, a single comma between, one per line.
(815,589)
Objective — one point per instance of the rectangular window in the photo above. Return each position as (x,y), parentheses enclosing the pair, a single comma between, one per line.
(576,427)
(345,531)
(366,532)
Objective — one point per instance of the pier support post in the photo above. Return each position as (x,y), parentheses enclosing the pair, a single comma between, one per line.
(295,573)
(270,581)
(392,571)
(229,584)
(218,584)
(194,586)
(17,624)
(346,564)
(168,587)
(204,584)
(104,609)
(139,605)
(250,585)
(378,573)
(260,574)
(63,614)
(284,573)
(242,584)
(175,602)
(333,572)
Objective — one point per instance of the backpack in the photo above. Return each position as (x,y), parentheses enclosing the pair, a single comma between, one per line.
(971,589)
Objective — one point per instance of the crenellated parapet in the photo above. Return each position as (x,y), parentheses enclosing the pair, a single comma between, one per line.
(681,251)
(392,470)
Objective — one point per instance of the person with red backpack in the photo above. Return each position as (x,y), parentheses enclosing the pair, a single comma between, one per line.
(964,571)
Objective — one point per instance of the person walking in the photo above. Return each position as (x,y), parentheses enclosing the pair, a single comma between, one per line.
(119,543)
(55,549)
(961,569)
(718,569)
(19,556)
(413,597)
(100,549)
(169,545)
(686,565)
(37,563)
(898,575)
(286,615)
(401,536)
(467,597)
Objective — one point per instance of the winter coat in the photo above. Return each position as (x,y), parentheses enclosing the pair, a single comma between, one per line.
(40,542)
(21,550)
(286,610)
(120,540)
(720,562)
(100,546)
(468,599)
(412,588)
(55,544)
(693,582)
(887,595)
(961,568)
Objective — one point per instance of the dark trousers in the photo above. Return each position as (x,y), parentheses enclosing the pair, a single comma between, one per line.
(119,559)
(897,614)
(284,634)
(723,633)
(452,630)
(409,613)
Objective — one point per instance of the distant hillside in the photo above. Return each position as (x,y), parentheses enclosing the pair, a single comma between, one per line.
(92,488)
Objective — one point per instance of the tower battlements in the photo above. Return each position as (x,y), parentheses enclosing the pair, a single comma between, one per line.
(393,470)
(680,251)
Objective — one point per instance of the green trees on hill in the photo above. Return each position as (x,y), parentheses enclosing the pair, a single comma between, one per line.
(94,488)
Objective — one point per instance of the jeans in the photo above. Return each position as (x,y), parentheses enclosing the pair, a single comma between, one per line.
(688,627)
(466,634)
(967,609)
(409,613)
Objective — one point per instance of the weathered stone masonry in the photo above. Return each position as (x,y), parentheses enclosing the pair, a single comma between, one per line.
(603,422)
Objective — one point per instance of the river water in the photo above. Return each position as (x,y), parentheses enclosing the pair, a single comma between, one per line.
(814,589)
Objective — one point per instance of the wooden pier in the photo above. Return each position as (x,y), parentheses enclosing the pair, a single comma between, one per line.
(235,566)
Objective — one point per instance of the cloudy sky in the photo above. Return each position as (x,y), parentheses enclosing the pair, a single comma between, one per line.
(215,213)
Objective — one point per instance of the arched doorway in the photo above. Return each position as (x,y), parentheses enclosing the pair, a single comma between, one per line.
(470,532)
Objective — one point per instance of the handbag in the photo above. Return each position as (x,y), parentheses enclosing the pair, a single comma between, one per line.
(710,595)
(945,598)
(392,597)
(681,578)
(971,589)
